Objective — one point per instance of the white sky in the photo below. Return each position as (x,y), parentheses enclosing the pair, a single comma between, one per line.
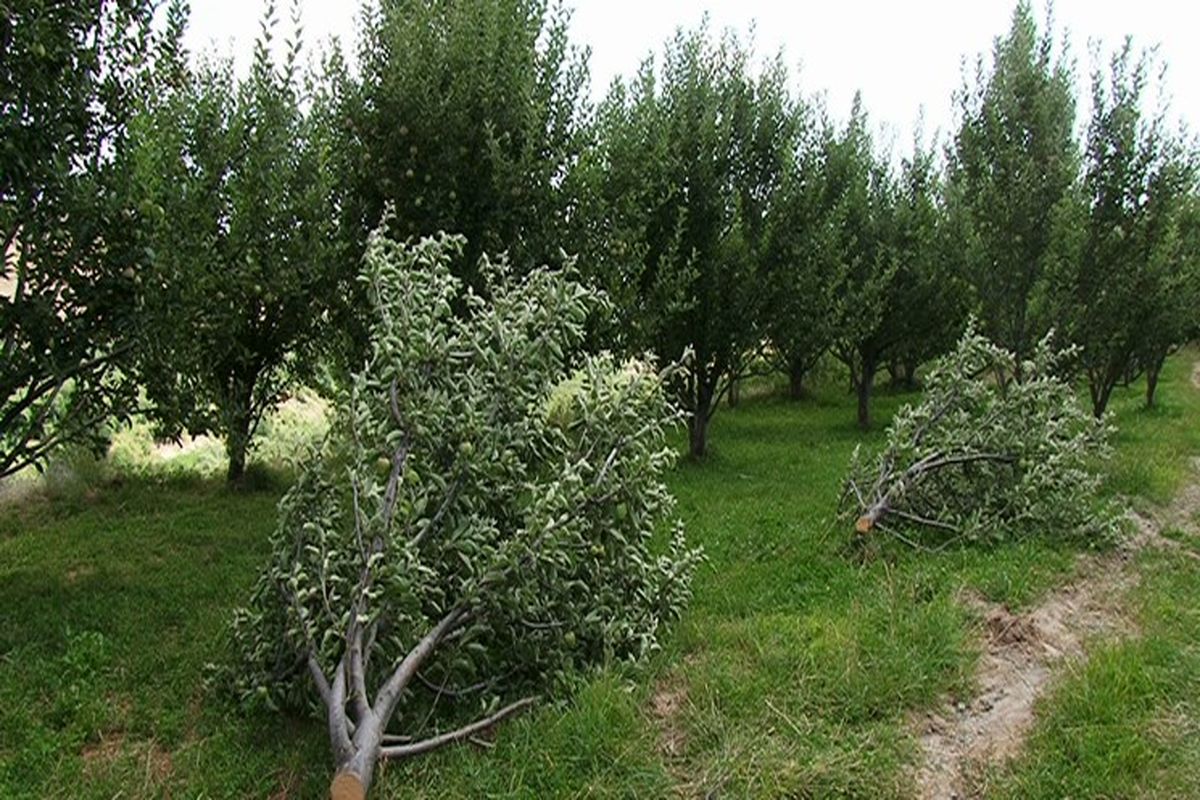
(904,56)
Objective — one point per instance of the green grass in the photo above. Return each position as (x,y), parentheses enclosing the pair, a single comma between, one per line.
(1127,723)
(790,676)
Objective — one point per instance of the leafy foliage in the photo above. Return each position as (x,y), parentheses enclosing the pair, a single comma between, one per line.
(678,189)
(1012,166)
(991,452)
(482,523)
(466,119)
(238,201)
(69,75)
(1123,282)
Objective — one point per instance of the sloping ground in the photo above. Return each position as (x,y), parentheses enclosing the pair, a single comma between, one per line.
(1023,652)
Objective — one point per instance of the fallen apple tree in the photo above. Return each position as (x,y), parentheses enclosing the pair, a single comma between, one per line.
(479,526)
(985,455)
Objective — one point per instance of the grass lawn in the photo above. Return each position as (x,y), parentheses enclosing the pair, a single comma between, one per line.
(791,675)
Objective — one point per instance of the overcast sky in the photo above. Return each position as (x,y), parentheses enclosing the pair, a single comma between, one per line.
(905,56)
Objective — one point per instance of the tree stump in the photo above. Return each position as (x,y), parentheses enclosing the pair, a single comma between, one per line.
(347,786)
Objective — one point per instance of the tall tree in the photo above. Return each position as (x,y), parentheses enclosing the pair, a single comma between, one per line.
(800,256)
(68,75)
(931,297)
(1172,321)
(688,161)
(1116,280)
(240,218)
(1013,161)
(466,119)
(863,194)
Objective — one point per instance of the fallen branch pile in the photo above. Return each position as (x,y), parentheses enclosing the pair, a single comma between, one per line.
(990,451)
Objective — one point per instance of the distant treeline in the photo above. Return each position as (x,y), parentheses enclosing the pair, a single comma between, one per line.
(184,242)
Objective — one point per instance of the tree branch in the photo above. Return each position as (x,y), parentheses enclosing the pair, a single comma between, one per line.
(451,495)
(358,674)
(386,700)
(339,726)
(465,732)
(455,694)
(318,676)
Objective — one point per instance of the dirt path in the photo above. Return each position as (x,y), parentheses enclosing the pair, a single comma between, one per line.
(1015,669)
(1023,653)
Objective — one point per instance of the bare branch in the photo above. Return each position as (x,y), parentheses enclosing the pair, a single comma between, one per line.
(399,458)
(358,674)
(950,461)
(465,732)
(318,676)
(933,523)
(454,694)
(394,401)
(436,520)
(386,700)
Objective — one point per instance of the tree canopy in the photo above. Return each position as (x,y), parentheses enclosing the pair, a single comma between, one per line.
(466,119)
(70,77)
(238,202)
(687,161)
(1012,166)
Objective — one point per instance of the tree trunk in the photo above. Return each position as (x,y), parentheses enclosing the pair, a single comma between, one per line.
(1100,401)
(893,370)
(866,378)
(1152,373)
(908,374)
(1102,384)
(796,376)
(701,413)
(698,434)
(237,439)
(735,393)
(235,448)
